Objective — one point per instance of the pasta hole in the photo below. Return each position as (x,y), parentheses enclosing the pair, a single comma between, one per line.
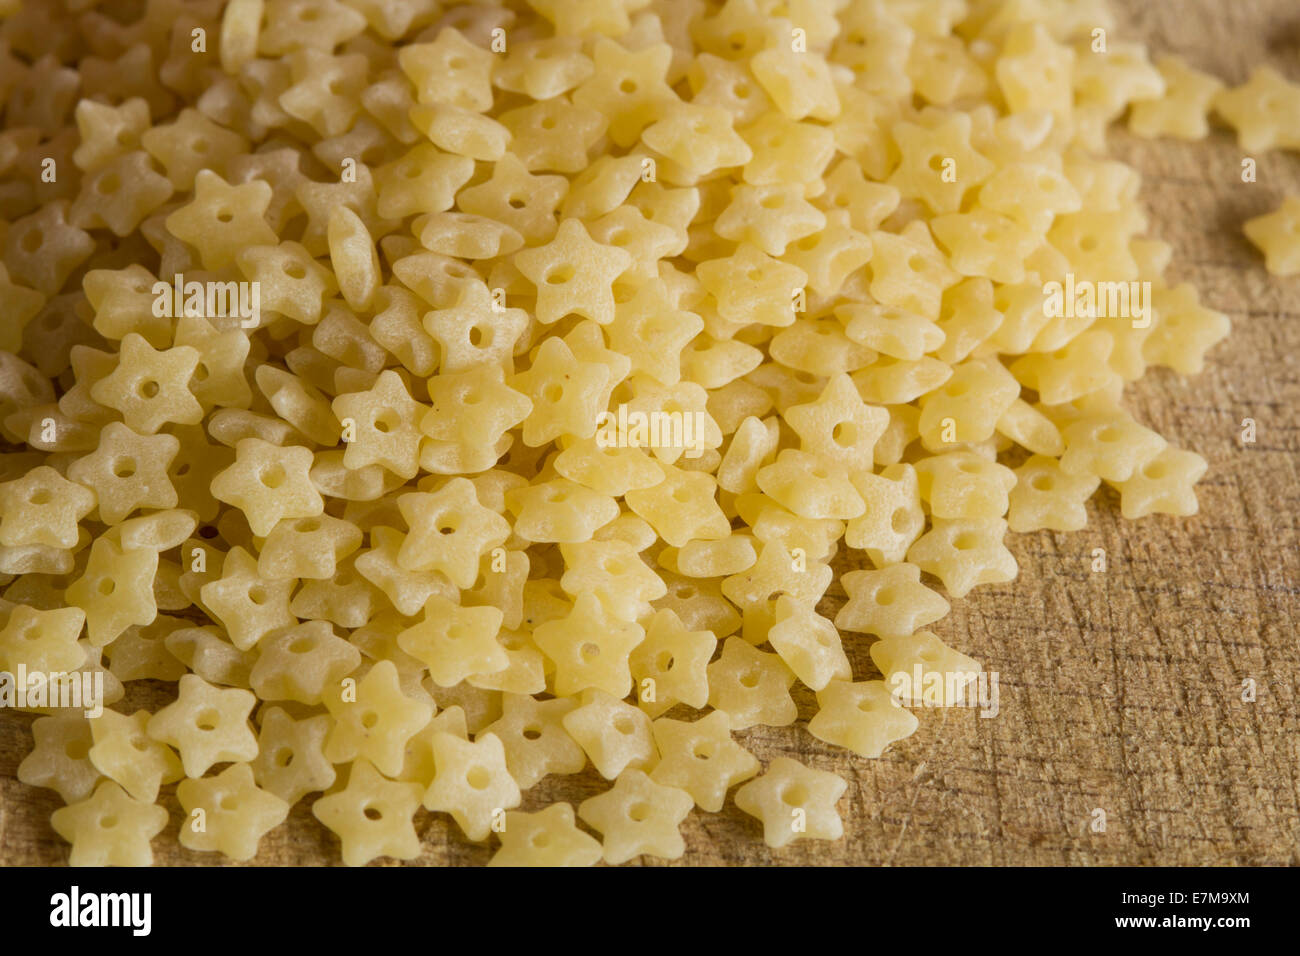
(589,651)
(124,467)
(749,678)
(624,725)
(966,541)
(106,586)
(283,757)
(478,778)
(148,388)
(532,732)
(207,720)
(273,476)
(795,795)
(369,720)
(639,812)
(373,814)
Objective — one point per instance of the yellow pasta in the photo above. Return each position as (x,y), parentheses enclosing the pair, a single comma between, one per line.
(449,396)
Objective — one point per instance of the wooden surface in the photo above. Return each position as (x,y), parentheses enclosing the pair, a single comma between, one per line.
(1119,690)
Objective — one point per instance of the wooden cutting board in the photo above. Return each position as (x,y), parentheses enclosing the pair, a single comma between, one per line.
(1119,691)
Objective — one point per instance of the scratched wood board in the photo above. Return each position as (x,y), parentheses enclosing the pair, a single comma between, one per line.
(1119,691)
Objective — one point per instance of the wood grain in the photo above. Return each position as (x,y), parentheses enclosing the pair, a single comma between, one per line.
(1119,690)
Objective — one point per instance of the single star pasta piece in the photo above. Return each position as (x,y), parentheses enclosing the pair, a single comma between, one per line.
(372,816)
(535,739)
(302,663)
(373,719)
(701,758)
(1108,444)
(290,762)
(751,686)
(590,647)
(864,717)
(123,751)
(1045,496)
(574,275)
(808,643)
(247,605)
(671,665)
(450,531)
(1164,485)
(40,640)
(109,828)
(638,816)
(893,518)
(42,507)
(1277,235)
(1182,111)
(1263,111)
(228,813)
(922,669)
(222,219)
(471,782)
(384,429)
(269,483)
(963,554)
(549,837)
(794,802)
(963,484)
(116,590)
(613,733)
(60,759)
(456,642)
(889,602)
(128,471)
(206,725)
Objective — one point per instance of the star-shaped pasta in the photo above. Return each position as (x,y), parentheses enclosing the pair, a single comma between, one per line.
(638,816)
(455,642)
(549,837)
(1164,485)
(236,813)
(1277,235)
(808,643)
(109,828)
(42,640)
(372,816)
(206,725)
(60,759)
(471,783)
(794,802)
(123,751)
(269,483)
(247,605)
(863,717)
(116,591)
(701,758)
(751,686)
(921,669)
(613,733)
(1263,111)
(574,275)
(222,219)
(450,531)
(385,421)
(128,471)
(590,648)
(373,719)
(535,740)
(302,663)
(289,761)
(889,602)
(675,658)
(963,553)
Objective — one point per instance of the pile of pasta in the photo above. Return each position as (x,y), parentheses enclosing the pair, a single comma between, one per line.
(384,517)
